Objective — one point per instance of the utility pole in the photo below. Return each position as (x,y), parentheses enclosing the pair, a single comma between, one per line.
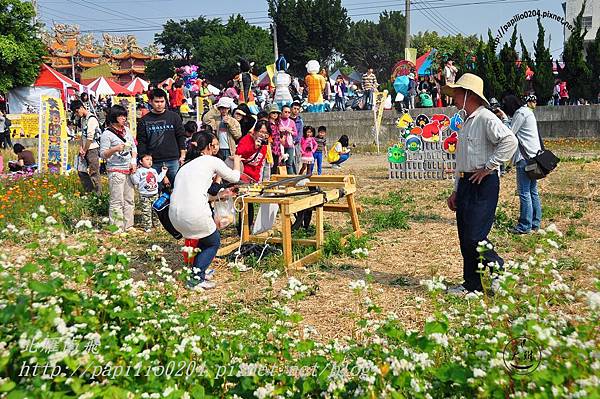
(275,40)
(407,17)
(34,3)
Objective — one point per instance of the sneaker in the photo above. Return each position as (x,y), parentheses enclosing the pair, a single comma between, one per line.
(457,290)
(514,230)
(210,274)
(196,285)
(148,230)
(336,167)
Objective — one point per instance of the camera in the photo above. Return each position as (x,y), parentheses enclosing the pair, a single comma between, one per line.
(263,141)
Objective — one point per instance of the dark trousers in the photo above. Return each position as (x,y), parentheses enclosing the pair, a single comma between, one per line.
(475,212)
(173,166)
(208,249)
(5,141)
(91,179)
(368,94)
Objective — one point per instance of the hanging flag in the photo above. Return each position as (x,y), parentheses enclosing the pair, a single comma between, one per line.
(410,54)
(53,144)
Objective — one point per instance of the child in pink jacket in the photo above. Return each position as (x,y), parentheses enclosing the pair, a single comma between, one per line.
(308,146)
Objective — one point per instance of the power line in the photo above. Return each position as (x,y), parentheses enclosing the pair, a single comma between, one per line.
(447,21)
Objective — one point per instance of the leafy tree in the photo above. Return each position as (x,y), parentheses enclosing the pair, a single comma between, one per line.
(458,48)
(576,72)
(513,73)
(543,78)
(21,50)
(495,76)
(160,69)
(593,60)
(308,29)
(214,46)
(371,44)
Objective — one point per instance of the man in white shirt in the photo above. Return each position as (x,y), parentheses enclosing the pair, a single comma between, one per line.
(89,149)
(484,143)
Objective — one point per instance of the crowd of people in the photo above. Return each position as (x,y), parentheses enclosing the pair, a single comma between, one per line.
(191,162)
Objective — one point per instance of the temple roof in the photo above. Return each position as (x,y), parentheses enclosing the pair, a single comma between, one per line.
(88,54)
(128,55)
(84,64)
(134,70)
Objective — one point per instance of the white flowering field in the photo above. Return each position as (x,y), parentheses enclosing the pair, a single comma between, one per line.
(88,314)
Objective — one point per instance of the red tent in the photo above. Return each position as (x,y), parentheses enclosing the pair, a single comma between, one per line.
(103,87)
(137,85)
(51,78)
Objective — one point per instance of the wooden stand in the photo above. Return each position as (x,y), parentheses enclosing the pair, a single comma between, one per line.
(332,189)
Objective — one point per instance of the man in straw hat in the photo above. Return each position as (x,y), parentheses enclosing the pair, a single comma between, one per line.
(484,143)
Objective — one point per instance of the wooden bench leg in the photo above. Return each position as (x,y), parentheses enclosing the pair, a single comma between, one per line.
(319,226)
(286,230)
(353,214)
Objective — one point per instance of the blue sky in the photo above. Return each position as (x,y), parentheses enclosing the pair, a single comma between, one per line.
(444,16)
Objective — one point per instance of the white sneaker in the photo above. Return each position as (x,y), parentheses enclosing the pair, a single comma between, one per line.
(206,285)
(456,290)
(336,167)
(210,274)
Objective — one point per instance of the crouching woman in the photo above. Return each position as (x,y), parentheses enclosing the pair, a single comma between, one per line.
(190,212)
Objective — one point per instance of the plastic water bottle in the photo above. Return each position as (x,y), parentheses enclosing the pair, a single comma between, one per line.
(161,201)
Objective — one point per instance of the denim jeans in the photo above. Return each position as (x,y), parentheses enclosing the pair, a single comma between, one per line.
(530,216)
(475,213)
(290,163)
(368,99)
(343,158)
(319,161)
(173,166)
(208,247)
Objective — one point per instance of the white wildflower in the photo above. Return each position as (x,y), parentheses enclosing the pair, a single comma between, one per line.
(358,285)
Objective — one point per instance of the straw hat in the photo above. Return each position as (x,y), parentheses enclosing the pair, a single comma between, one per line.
(468,81)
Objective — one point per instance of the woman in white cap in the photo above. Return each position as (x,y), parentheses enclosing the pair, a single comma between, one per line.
(226,128)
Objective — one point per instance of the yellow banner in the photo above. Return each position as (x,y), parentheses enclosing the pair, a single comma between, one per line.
(53,139)
(24,125)
(410,54)
(129,104)
(271,72)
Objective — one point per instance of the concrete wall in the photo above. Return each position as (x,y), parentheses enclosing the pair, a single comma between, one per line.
(553,122)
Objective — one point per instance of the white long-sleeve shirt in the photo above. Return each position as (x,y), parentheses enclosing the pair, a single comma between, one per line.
(524,126)
(189,210)
(146,180)
(483,141)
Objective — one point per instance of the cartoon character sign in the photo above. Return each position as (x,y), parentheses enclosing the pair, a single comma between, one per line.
(416,131)
(422,120)
(245,79)
(450,143)
(431,132)
(282,83)
(315,84)
(456,122)
(413,143)
(405,121)
(396,154)
(443,120)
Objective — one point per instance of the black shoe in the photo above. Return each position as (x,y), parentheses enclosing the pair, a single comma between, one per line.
(517,231)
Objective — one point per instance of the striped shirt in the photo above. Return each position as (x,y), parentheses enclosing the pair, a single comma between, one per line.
(369,81)
(483,141)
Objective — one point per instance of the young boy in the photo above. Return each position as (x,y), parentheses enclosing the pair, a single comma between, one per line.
(321,140)
(146,179)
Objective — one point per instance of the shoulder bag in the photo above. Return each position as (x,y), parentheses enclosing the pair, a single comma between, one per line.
(541,164)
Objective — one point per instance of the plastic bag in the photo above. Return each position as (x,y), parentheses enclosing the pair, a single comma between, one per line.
(224,213)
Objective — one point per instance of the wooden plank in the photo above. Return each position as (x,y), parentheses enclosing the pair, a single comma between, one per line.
(320,235)
(245,225)
(340,208)
(226,250)
(286,230)
(279,240)
(314,200)
(307,260)
(354,214)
